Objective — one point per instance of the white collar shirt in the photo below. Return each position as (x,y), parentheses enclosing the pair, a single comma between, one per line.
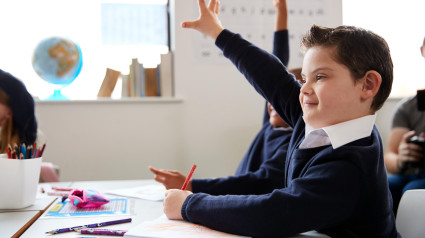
(339,134)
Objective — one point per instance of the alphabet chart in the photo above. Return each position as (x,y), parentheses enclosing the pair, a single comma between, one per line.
(256,20)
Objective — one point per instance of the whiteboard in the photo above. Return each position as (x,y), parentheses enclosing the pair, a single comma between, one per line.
(255,21)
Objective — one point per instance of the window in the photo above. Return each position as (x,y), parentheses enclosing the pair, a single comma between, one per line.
(109,33)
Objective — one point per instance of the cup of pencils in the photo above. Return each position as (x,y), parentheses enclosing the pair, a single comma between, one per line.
(19,176)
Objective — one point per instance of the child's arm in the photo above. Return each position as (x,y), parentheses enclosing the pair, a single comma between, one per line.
(268,177)
(281,36)
(264,71)
(311,202)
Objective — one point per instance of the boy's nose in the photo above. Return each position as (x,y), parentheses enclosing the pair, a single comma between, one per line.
(306,88)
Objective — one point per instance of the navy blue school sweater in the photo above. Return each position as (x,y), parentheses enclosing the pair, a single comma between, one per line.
(261,169)
(341,192)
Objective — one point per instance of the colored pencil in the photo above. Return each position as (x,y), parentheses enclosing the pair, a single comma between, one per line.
(9,153)
(62,189)
(188,177)
(107,232)
(42,150)
(107,223)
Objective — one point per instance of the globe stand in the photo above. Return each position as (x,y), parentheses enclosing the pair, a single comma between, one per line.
(57,96)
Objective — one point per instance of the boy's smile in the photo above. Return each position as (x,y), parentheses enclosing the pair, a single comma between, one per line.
(329,94)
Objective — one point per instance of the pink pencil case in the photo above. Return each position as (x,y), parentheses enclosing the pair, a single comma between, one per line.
(86,198)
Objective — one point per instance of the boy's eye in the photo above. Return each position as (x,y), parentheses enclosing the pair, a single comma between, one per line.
(319,77)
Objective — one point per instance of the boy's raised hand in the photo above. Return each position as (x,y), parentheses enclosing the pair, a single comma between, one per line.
(208,22)
(170,178)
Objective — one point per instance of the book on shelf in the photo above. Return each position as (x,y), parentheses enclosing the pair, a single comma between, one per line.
(131,81)
(125,85)
(109,82)
(151,87)
(166,81)
(139,78)
(150,82)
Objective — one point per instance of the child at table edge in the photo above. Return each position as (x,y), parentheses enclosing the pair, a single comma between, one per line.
(335,179)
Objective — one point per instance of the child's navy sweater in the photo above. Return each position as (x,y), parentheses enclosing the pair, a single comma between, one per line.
(261,169)
(341,192)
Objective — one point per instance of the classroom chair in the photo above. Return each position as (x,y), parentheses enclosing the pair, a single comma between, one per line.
(411,214)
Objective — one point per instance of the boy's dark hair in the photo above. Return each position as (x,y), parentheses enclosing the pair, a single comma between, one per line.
(359,50)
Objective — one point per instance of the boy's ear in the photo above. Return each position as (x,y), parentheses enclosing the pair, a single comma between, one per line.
(371,83)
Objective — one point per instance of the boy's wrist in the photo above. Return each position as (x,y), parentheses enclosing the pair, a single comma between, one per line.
(216,33)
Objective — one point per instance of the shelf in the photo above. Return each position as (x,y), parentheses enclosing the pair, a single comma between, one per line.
(115,101)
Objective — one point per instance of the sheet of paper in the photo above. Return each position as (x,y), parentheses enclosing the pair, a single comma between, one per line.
(149,192)
(162,227)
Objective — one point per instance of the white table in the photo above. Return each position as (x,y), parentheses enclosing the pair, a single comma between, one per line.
(13,222)
(142,210)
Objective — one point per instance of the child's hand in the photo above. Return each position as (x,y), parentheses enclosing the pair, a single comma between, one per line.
(173,203)
(208,22)
(170,178)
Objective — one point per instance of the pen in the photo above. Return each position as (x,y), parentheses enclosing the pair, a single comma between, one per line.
(109,232)
(107,223)
(188,177)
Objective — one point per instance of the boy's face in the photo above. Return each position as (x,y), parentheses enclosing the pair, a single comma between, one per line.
(328,95)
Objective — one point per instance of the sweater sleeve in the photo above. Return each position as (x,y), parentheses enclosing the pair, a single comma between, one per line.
(265,72)
(281,50)
(281,46)
(311,202)
(269,176)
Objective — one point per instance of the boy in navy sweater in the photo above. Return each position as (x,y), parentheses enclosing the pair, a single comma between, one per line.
(335,180)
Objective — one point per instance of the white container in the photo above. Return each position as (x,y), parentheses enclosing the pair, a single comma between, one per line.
(18,182)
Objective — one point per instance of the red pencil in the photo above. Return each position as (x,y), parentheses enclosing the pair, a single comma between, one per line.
(9,154)
(188,177)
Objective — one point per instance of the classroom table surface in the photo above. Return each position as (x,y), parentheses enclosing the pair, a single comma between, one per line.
(140,210)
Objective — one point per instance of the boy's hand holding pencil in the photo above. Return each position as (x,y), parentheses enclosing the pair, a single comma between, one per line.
(174,199)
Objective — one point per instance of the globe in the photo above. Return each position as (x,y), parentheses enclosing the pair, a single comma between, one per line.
(57,61)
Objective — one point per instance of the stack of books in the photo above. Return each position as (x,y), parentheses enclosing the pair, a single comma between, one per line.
(141,81)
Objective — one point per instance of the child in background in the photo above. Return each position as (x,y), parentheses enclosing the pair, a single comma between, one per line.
(17,115)
(335,179)
(261,169)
